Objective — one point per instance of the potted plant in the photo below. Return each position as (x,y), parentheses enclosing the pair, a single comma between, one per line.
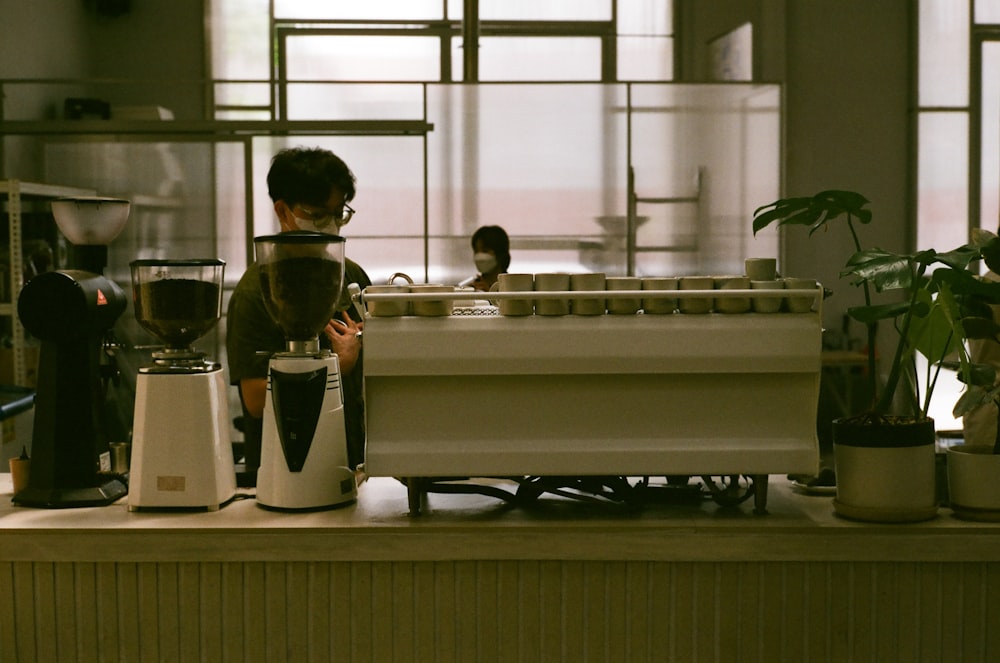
(974,480)
(884,456)
(974,466)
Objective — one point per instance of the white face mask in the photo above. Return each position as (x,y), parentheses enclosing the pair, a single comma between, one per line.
(485,262)
(332,228)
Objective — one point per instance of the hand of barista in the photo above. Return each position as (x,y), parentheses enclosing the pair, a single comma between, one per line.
(345,339)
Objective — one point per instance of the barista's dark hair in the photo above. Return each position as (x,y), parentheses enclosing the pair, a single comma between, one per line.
(308,175)
(494,237)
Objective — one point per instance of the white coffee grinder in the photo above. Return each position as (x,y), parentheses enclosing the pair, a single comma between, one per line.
(182,454)
(303,458)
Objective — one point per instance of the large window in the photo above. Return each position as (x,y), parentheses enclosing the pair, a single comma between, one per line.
(425,40)
(958,127)
(556,120)
(958,133)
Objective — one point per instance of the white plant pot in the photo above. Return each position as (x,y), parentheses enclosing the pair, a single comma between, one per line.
(890,484)
(974,482)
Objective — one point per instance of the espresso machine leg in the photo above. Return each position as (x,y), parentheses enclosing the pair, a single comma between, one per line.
(760,494)
(414,494)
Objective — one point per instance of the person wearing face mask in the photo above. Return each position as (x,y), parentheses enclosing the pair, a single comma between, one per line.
(491,255)
(310,189)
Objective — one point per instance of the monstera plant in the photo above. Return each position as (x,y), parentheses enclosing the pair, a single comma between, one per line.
(934,302)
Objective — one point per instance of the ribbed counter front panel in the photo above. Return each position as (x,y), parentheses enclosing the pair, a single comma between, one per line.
(630,611)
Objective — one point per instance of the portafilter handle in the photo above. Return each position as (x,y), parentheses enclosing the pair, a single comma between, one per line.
(355,291)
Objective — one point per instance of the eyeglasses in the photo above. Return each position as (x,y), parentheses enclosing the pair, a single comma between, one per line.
(322,219)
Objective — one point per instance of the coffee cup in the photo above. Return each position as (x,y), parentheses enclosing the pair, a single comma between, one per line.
(516,283)
(732,304)
(761,269)
(696,304)
(20,471)
(658,304)
(431,307)
(800,304)
(767,304)
(552,282)
(588,282)
(119,457)
(389,307)
(623,305)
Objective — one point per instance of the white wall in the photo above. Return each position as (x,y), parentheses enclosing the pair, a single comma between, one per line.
(43,39)
(845,65)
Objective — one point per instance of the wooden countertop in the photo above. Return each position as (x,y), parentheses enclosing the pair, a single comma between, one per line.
(378,527)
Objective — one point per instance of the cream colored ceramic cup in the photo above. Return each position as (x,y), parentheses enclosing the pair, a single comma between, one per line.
(659,305)
(696,304)
(516,283)
(431,307)
(119,452)
(589,281)
(800,304)
(625,305)
(732,304)
(552,282)
(388,308)
(767,304)
(761,269)
(20,471)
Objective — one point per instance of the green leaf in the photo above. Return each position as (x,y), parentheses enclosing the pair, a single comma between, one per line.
(938,333)
(877,312)
(959,258)
(970,399)
(815,212)
(968,286)
(980,328)
(989,247)
(983,375)
(840,202)
(884,270)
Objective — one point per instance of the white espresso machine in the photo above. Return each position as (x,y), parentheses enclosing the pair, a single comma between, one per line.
(303,460)
(182,454)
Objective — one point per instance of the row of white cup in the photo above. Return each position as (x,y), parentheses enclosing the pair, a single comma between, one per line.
(398,307)
(660,303)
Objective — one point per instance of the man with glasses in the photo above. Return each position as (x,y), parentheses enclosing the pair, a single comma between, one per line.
(310,189)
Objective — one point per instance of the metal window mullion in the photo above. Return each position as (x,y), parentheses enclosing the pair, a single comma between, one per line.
(281,84)
(973,184)
(470,41)
(427,225)
(978,36)
(248,190)
(16,279)
(272,36)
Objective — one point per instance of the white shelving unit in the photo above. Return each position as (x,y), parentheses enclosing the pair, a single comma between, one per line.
(16,193)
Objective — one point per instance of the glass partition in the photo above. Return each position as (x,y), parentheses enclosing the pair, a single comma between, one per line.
(643,178)
(551,163)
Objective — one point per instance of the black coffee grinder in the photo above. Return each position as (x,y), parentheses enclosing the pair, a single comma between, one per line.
(72,312)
